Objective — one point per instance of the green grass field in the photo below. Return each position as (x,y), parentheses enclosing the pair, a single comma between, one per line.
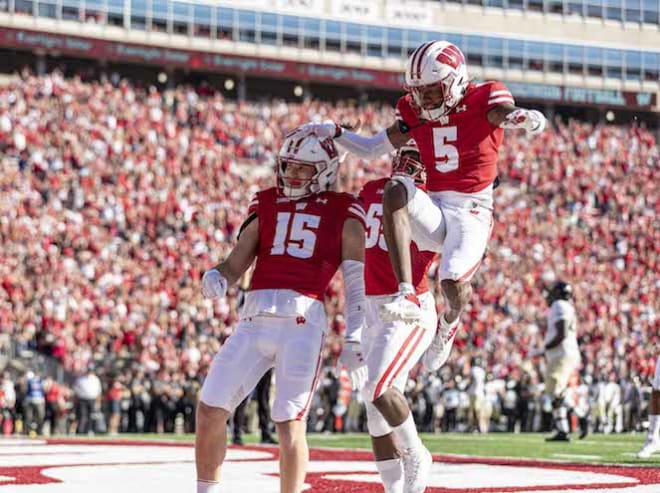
(613,449)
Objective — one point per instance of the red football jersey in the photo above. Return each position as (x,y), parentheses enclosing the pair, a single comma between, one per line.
(460,150)
(379,276)
(300,240)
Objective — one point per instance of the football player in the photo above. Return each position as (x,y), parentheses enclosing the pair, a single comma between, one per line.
(561,353)
(652,443)
(458,127)
(392,348)
(299,233)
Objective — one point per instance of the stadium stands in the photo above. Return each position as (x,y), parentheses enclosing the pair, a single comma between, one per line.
(114,199)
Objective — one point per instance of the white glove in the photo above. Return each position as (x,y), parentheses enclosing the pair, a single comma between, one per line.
(351,357)
(321,130)
(214,285)
(535,123)
(531,120)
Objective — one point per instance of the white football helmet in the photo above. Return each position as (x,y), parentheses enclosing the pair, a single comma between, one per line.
(436,77)
(309,150)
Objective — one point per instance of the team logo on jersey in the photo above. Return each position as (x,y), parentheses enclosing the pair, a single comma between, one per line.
(321,201)
(460,108)
(301,206)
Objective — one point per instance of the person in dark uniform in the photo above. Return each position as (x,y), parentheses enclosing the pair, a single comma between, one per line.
(262,395)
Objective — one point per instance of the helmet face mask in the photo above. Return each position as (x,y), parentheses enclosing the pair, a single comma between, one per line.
(430,97)
(316,162)
(407,163)
(300,183)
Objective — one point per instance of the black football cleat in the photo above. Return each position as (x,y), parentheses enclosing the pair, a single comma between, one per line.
(268,440)
(560,436)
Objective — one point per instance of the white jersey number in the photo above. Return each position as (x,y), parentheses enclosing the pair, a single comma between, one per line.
(301,236)
(446,155)
(374,234)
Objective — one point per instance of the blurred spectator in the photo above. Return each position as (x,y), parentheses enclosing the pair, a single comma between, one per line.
(88,392)
(7,403)
(115,198)
(34,403)
(477,393)
(113,398)
(56,408)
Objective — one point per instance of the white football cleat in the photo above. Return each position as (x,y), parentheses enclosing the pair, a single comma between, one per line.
(438,352)
(649,448)
(417,464)
(404,307)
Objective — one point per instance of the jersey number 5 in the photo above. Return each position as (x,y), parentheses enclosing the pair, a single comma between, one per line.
(446,155)
(301,236)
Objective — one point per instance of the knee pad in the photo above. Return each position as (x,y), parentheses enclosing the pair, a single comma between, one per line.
(376,424)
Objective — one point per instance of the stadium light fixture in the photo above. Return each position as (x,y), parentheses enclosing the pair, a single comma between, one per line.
(162,77)
(229,84)
(298,91)
(609,116)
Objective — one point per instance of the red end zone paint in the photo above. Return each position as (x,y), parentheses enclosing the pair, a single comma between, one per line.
(331,480)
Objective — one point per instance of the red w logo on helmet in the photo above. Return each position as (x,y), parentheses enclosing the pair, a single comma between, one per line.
(450,55)
(329,147)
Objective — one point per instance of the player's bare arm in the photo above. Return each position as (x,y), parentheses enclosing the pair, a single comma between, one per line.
(396,229)
(512,117)
(352,240)
(230,270)
(560,326)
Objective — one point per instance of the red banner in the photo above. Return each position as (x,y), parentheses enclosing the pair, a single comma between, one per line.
(286,69)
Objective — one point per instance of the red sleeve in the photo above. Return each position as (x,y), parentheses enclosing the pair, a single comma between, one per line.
(254,205)
(355,210)
(362,194)
(405,111)
(498,94)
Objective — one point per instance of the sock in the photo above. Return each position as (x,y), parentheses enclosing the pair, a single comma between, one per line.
(561,420)
(654,427)
(206,486)
(391,473)
(406,434)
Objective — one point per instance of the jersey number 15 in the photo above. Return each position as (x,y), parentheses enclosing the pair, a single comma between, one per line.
(295,237)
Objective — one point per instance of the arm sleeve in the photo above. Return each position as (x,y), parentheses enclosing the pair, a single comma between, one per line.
(366,147)
(356,211)
(254,205)
(355,300)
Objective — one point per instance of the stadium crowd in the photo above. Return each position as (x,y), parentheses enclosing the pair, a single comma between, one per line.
(115,198)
